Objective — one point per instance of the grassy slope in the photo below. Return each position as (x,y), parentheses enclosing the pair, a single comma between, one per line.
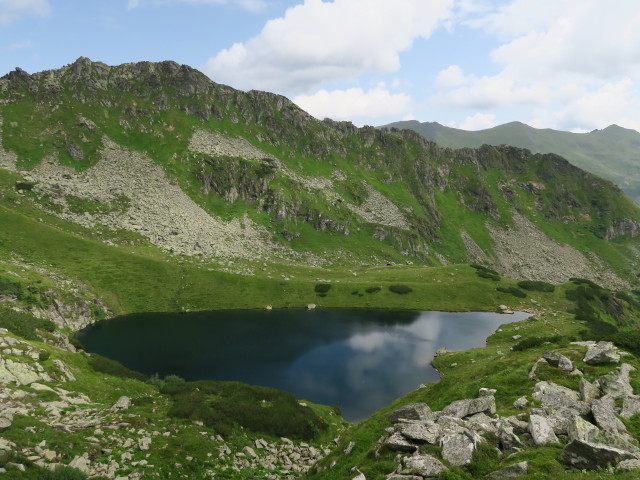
(137,279)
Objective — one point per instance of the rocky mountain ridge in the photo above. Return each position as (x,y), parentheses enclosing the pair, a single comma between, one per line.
(252,175)
(610,153)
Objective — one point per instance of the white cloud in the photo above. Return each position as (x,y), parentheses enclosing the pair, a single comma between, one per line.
(577,37)
(487,92)
(318,41)
(354,103)
(12,10)
(452,76)
(576,61)
(479,121)
(249,5)
(613,102)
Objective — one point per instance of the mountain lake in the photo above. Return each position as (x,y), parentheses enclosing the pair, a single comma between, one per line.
(358,360)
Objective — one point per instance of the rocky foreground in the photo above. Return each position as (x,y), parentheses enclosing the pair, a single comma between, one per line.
(120,440)
(585,422)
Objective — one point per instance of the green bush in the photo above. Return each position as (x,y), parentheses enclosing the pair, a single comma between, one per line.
(63,472)
(581,293)
(449,475)
(486,459)
(225,405)
(322,287)
(9,287)
(628,298)
(44,355)
(584,281)
(516,292)
(73,340)
(400,289)
(111,367)
(536,286)
(24,324)
(532,342)
(482,268)
(159,383)
(598,329)
(629,339)
(373,289)
(488,274)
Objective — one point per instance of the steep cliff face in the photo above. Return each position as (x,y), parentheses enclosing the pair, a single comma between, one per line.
(266,172)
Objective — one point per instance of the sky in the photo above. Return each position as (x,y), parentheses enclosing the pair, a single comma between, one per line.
(565,64)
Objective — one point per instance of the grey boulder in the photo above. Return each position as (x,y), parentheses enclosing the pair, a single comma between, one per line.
(123,403)
(427,432)
(630,406)
(425,466)
(457,449)
(584,455)
(605,417)
(511,471)
(470,406)
(412,411)
(601,353)
(557,360)
(398,443)
(554,396)
(616,383)
(588,391)
(541,430)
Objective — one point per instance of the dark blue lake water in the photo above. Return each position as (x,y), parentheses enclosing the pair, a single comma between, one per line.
(359,360)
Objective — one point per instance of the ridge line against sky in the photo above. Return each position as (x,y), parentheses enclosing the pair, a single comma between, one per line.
(571,65)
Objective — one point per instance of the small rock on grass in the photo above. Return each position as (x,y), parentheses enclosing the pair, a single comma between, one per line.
(511,471)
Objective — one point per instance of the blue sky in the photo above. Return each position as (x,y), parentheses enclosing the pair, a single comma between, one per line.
(570,64)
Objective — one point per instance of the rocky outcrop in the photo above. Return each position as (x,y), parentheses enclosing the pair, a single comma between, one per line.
(457,429)
(601,352)
(585,422)
(356,164)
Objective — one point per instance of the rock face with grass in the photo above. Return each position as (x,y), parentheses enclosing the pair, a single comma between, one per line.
(249,175)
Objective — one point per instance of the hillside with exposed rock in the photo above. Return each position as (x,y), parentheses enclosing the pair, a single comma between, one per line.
(200,169)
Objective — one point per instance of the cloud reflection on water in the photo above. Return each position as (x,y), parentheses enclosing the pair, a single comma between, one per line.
(357,360)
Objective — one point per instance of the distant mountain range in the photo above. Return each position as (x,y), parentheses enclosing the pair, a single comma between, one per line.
(612,153)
